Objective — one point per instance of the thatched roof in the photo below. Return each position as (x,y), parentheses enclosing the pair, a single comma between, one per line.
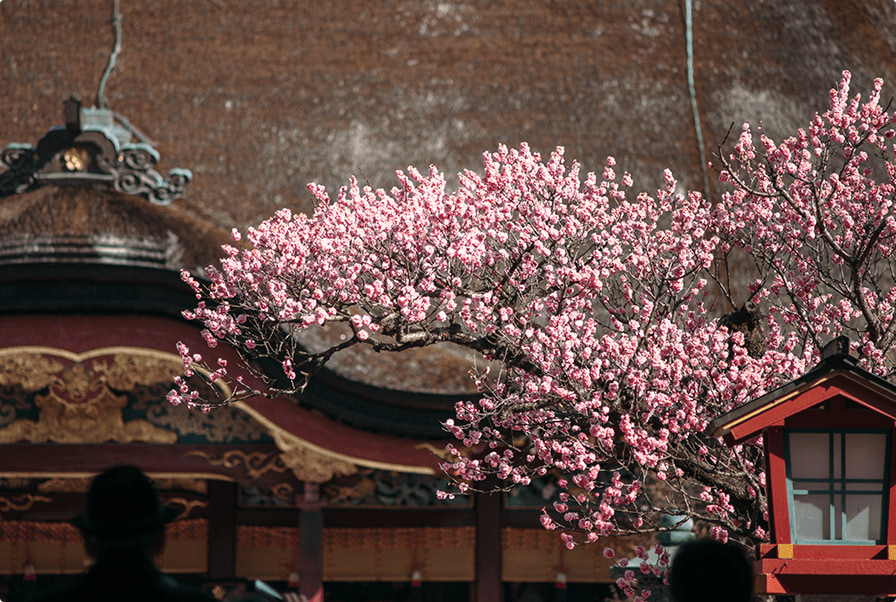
(61,223)
(259,98)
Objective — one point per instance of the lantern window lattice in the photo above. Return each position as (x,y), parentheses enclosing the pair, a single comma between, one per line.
(829,506)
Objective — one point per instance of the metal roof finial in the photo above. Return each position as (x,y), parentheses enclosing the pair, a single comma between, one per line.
(839,347)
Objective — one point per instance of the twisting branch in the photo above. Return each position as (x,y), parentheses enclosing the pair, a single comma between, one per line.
(593,306)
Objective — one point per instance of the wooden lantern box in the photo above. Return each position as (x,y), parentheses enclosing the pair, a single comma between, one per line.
(831,484)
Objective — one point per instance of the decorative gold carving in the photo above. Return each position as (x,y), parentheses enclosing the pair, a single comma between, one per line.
(309,464)
(135,365)
(284,491)
(7,414)
(67,485)
(125,371)
(78,406)
(76,384)
(187,505)
(257,463)
(342,494)
(76,419)
(31,371)
(221,426)
(21,502)
(35,368)
(181,484)
(121,368)
(17,483)
(84,377)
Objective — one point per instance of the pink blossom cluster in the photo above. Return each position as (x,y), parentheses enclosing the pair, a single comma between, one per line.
(603,309)
(814,217)
(646,571)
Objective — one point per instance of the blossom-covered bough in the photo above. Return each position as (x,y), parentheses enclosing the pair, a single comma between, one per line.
(814,215)
(612,341)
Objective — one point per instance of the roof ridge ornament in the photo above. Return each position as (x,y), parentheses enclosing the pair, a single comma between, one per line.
(92,148)
(837,348)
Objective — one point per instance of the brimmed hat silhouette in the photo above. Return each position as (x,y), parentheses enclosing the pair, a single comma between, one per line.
(123,502)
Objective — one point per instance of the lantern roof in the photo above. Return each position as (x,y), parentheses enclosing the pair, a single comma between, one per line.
(836,375)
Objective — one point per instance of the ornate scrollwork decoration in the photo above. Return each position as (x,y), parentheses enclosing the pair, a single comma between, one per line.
(21,502)
(256,463)
(82,484)
(16,153)
(31,371)
(284,491)
(353,493)
(389,488)
(7,414)
(186,504)
(94,148)
(198,486)
(309,464)
(121,369)
(124,371)
(65,485)
(19,161)
(84,378)
(280,494)
(76,384)
(93,419)
(221,426)
(139,157)
(130,182)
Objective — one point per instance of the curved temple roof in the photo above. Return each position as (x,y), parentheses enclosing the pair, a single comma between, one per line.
(257,100)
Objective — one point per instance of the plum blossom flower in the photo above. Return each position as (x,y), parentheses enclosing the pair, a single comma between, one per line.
(597,307)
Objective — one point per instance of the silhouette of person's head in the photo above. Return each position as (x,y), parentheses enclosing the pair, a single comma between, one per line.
(707,570)
(123,512)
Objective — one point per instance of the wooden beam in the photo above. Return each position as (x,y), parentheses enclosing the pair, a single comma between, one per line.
(44,460)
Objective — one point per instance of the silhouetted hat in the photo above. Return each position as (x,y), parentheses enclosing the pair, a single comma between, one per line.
(123,502)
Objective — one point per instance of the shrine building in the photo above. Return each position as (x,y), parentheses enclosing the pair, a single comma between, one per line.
(134,136)
(334,492)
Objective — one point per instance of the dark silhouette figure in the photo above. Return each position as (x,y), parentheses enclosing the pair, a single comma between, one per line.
(123,524)
(707,570)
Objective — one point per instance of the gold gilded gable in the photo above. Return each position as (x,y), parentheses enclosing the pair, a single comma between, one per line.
(97,419)
(73,397)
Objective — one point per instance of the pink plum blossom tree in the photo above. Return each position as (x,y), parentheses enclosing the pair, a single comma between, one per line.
(612,338)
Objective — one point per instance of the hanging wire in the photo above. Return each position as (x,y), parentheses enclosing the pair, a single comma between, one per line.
(116,25)
(689,41)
